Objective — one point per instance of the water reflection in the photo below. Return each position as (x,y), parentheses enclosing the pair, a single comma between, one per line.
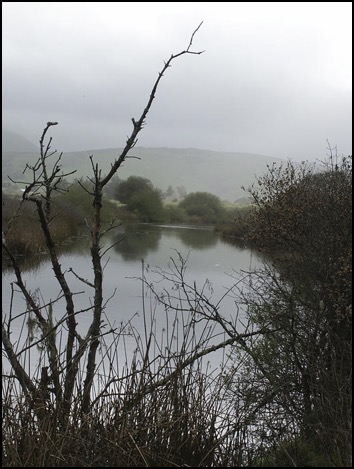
(34,262)
(131,241)
(135,242)
(209,262)
(193,238)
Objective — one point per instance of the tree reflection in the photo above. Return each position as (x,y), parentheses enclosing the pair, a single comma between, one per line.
(197,239)
(135,242)
(34,262)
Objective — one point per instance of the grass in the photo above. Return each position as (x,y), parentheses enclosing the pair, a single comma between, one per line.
(72,212)
(149,411)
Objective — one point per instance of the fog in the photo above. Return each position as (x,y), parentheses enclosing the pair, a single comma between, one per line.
(275,78)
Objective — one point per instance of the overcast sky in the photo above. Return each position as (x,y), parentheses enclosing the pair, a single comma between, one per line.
(275,77)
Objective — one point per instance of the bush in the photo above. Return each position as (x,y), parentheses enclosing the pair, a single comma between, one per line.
(141,198)
(147,205)
(76,205)
(303,223)
(238,223)
(125,190)
(174,214)
(203,207)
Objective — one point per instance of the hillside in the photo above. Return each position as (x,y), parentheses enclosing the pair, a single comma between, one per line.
(13,142)
(220,173)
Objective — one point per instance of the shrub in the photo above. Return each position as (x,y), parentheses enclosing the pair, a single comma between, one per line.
(206,207)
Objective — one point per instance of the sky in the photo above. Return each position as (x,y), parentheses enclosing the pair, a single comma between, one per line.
(275,78)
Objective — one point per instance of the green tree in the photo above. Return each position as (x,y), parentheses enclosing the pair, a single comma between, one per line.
(203,205)
(147,204)
(141,198)
(125,190)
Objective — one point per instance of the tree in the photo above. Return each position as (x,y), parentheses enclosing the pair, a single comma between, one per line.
(207,207)
(125,190)
(169,193)
(79,349)
(141,198)
(302,222)
(182,191)
(147,205)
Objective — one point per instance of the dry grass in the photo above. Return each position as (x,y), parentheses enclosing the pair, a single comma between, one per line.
(152,412)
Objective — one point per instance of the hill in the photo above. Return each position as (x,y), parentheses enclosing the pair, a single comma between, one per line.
(220,173)
(13,142)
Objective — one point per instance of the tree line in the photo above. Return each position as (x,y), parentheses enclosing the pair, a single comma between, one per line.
(150,204)
(132,200)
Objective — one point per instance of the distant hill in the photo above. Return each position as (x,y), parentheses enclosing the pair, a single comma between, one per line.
(220,173)
(13,142)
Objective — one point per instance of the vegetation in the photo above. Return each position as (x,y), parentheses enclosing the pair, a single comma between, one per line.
(302,222)
(71,209)
(141,198)
(131,200)
(238,224)
(149,204)
(283,397)
(203,207)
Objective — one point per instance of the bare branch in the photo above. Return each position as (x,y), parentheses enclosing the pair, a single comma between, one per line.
(138,124)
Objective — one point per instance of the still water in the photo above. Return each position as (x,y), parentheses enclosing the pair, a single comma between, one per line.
(212,264)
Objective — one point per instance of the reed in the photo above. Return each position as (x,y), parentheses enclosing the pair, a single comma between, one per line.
(148,408)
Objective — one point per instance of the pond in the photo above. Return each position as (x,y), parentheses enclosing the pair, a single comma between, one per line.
(211,265)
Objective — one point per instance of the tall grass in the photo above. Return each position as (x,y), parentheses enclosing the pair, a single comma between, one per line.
(149,408)
(72,213)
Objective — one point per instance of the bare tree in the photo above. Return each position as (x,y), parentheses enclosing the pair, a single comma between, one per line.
(46,181)
(160,409)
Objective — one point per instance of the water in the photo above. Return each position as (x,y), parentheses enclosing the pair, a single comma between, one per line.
(211,266)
